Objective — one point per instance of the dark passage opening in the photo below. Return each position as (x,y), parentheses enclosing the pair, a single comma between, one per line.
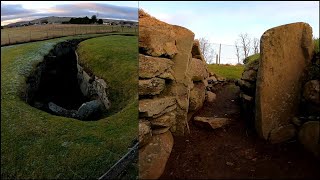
(59,83)
(54,86)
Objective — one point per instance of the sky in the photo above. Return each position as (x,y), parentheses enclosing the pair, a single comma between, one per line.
(14,11)
(222,22)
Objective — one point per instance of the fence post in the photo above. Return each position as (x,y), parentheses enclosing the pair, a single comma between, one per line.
(216,58)
(30,36)
(9,38)
(219,53)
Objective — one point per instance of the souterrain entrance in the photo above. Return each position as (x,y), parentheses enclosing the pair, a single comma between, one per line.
(235,150)
(60,86)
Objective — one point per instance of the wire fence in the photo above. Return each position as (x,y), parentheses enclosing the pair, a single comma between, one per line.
(228,54)
(42,32)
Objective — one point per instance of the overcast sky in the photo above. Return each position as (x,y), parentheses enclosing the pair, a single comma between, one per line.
(13,11)
(222,22)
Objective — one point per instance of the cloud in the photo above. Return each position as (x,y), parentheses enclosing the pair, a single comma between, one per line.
(14,9)
(13,13)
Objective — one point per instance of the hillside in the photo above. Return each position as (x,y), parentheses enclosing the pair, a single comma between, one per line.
(59,20)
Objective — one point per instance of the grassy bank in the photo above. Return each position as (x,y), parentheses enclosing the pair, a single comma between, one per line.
(227,71)
(38,145)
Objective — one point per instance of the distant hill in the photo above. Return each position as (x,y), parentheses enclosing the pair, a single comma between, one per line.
(59,20)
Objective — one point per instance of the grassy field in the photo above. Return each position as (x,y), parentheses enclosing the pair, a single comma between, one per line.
(38,145)
(42,32)
(227,71)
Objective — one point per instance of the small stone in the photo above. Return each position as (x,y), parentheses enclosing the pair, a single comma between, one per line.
(230,163)
(211,97)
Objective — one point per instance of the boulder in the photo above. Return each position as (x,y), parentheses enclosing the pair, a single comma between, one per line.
(197,70)
(150,67)
(145,133)
(153,157)
(221,79)
(212,79)
(166,120)
(285,52)
(211,122)
(311,91)
(62,111)
(156,107)
(309,137)
(151,86)
(249,75)
(281,134)
(247,87)
(90,109)
(211,97)
(197,96)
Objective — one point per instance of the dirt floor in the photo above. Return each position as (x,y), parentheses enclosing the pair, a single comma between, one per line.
(235,151)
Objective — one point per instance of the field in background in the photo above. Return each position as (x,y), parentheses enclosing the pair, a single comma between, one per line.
(42,32)
(227,71)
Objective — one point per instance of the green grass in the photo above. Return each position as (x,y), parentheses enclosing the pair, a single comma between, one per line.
(227,71)
(117,54)
(38,145)
(252,58)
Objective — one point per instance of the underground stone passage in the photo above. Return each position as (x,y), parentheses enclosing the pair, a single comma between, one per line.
(60,86)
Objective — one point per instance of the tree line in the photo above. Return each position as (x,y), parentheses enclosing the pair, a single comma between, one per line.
(84,20)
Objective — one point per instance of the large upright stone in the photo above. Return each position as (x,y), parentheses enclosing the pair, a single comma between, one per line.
(285,52)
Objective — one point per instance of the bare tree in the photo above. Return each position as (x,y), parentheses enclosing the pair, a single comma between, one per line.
(237,51)
(207,50)
(256,45)
(245,42)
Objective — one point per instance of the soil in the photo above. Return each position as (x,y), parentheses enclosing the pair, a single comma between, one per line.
(235,151)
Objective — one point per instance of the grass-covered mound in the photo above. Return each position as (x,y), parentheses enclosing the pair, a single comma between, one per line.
(38,145)
(113,58)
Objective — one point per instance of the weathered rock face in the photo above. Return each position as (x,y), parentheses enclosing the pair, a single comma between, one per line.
(285,52)
(150,67)
(153,157)
(156,107)
(151,86)
(197,70)
(145,133)
(197,96)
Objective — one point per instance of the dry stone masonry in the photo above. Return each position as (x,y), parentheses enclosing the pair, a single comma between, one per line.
(172,87)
